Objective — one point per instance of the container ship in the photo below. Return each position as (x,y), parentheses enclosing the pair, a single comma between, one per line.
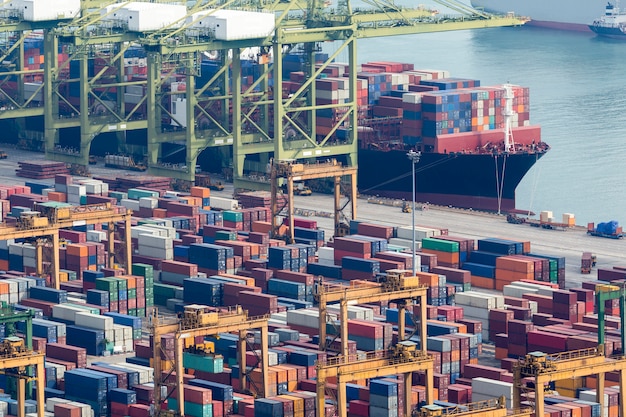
(476,142)
(559,14)
(612,24)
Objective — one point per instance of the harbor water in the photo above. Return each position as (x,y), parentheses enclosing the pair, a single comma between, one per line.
(577,96)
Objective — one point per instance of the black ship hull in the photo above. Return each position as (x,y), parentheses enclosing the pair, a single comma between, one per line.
(477,181)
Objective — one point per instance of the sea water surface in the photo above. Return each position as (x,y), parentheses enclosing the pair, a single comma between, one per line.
(577,87)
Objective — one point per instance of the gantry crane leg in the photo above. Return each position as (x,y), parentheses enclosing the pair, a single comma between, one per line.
(56,261)
(241,356)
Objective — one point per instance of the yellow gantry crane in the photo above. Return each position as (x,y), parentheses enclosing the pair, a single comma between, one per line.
(541,369)
(201,321)
(293,171)
(485,408)
(51,220)
(404,358)
(15,358)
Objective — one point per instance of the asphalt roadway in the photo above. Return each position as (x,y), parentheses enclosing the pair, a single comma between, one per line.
(569,243)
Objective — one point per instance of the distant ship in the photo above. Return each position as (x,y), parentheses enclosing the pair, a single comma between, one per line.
(612,24)
(574,15)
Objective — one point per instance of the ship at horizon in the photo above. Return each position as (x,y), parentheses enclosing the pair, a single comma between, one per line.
(612,24)
(574,15)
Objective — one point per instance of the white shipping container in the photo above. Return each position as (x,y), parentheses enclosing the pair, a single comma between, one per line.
(517,291)
(159,242)
(306,317)
(354,312)
(65,312)
(128,346)
(130,204)
(407,243)
(406,232)
(126,331)
(484,389)
(76,189)
(478,299)
(51,402)
(165,231)
(149,202)
(477,313)
(413,98)
(94,321)
(73,199)
(167,254)
(135,231)
(44,10)
(16,249)
(29,251)
(326,252)
(221,203)
(96,236)
(541,289)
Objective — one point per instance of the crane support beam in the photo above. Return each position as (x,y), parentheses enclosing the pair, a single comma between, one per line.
(227,322)
(375,364)
(364,293)
(23,360)
(603,294)
(568,365)
(66,218)
(293,171)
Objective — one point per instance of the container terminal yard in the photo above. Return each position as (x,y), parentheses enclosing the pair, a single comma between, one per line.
(167,292)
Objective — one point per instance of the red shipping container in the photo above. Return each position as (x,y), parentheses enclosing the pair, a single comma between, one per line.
(67,410)
(139,410)
(74,354)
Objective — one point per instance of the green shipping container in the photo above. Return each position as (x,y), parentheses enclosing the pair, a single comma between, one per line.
(192,409)
(107,284)
(132,293)
(232,216)
(122,284)
(225,235)
(143,270)
(206,363)
(440,245)
(136,194)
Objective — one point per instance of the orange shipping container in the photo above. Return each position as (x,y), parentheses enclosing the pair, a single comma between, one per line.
(201,192)
(515,264)
(446,257)
(510,276)
(482,282)
(427,278)
(57,196)
(501,353)
(159,213)
(76,249)
(131,281)
(261,227)
(4,287)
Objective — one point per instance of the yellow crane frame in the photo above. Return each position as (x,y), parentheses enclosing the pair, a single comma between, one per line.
(294,171)
(546,368)
(75,216)
(21,360)
(235,320)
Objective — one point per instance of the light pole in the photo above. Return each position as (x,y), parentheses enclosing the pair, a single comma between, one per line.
(414,157)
